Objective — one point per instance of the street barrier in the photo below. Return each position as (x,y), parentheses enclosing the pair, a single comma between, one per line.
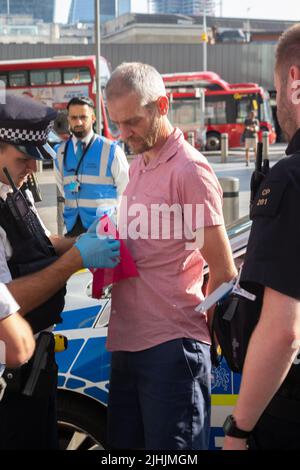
(231,187)
(224,148)
(191,138)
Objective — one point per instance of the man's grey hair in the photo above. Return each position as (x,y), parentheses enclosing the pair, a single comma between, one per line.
(142,79)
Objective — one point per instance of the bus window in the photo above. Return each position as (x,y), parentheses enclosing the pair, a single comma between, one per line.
(104,72)
(18,78)
(243,108)
(185,114)
(45,77)
(77,75)
(266,112)
(113,128)
(215,112)
(3,79)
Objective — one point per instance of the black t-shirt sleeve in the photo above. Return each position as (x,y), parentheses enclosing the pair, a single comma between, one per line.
(273,253)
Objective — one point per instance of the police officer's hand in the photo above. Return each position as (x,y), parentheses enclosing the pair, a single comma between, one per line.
(98,252)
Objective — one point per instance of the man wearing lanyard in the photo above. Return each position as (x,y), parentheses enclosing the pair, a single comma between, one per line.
(91,171)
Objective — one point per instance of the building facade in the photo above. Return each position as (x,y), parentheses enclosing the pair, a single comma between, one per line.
(37,9)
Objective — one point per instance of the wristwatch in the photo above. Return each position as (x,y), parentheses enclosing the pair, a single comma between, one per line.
(230,429)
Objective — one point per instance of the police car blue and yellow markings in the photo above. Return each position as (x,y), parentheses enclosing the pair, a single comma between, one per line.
(82,311)
(224,381)
(79,318)
(84,366)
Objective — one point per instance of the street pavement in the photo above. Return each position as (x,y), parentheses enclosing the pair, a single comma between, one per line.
(234,167)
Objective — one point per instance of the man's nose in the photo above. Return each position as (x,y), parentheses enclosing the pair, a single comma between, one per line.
(125,132)
(78,121)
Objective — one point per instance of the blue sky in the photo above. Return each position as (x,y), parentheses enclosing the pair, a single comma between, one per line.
(287,10)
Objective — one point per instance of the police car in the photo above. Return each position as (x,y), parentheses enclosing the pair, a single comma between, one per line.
(84,366)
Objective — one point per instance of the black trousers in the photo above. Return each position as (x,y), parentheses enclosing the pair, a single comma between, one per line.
(31,422)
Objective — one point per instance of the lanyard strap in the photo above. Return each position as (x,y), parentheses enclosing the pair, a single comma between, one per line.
(82,156)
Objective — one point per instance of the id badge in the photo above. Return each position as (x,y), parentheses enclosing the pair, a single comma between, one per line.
(74,187)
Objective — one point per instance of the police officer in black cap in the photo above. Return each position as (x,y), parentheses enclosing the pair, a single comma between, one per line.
(35,266)
(267,413)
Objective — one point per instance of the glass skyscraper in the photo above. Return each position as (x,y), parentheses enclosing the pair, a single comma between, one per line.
(187,7)
(83,10)
(38,9)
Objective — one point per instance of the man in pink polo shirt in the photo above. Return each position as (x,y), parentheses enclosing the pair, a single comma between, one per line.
(171,219)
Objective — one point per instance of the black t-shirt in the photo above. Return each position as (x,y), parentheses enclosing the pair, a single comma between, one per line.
(273,252)
(250,122)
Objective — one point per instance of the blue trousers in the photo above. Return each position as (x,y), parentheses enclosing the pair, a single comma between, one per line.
(159,398)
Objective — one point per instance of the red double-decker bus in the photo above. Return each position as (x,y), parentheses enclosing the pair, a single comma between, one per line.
(226,106)
(54,81)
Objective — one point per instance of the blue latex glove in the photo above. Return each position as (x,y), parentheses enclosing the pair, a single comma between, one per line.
(98,253)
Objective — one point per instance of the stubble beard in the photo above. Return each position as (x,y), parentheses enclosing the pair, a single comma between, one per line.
(146,143)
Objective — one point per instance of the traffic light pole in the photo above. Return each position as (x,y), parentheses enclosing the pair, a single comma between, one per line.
(205,38)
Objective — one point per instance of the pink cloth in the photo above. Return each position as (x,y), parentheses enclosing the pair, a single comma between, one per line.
(125,269)
(158,306)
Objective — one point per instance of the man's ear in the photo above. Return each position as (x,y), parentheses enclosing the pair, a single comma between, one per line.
(293,87)
(163,105)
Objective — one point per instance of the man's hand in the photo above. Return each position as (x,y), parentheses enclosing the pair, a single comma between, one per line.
(98,253)
(233,443)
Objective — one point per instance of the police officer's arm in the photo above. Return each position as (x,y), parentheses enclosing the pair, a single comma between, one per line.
(89,251)
(62,244)
(216,251)
(15,332)
(33,290)
(18,338)
(273,347)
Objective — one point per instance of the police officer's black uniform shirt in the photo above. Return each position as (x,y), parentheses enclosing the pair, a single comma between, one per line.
(273,253)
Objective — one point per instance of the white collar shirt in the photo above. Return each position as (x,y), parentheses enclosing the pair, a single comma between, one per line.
(86,140)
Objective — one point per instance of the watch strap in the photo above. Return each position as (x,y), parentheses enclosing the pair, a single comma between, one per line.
(231,429)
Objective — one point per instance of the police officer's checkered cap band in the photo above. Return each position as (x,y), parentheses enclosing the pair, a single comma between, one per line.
(25,135)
